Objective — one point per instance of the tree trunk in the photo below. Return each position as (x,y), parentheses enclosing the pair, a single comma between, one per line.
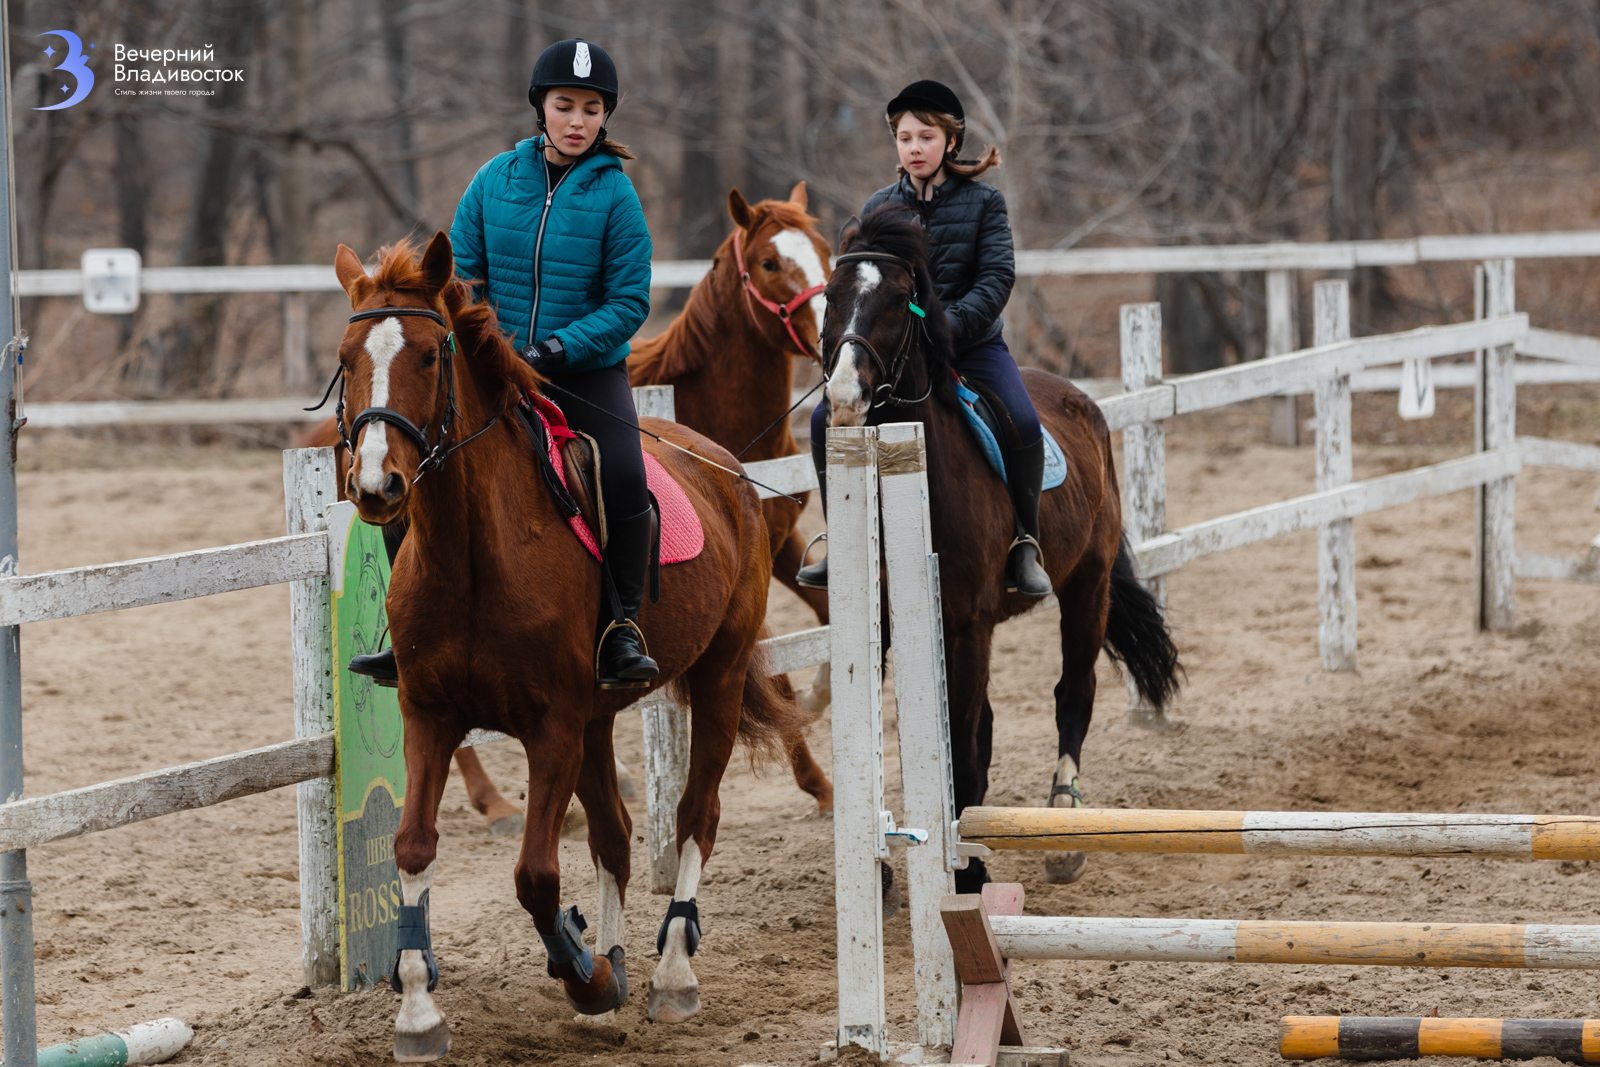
(401,140)
(1353,163)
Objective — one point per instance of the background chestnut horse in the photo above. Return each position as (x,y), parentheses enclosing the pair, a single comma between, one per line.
(492,607)
(1080,523)
(731,361)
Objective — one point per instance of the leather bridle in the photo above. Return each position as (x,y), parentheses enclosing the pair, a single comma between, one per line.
(783,311)
(895,369)
(435,451)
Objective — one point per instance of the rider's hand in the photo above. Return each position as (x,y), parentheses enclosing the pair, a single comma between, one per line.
(545,356)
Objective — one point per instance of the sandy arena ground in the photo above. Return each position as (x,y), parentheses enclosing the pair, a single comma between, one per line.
(196,914)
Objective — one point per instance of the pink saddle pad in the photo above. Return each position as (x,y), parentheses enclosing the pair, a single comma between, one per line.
(682,536)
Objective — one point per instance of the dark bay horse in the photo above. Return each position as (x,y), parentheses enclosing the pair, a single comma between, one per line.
(889,365)
(730,357)
(492,607)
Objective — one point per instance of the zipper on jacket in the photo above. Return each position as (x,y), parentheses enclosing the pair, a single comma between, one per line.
(538,242)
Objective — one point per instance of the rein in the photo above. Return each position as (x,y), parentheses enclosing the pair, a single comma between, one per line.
(895,369)
(783,311)
(434,452)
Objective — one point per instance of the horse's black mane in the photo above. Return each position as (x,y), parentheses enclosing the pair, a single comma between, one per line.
(896,229)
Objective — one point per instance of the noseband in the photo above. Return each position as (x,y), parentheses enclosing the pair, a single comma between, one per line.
(895,369)
(783,311)
(433,452)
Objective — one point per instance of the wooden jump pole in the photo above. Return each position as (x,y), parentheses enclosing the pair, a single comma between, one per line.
(1515,945)
(1311,833)
(1353,1037)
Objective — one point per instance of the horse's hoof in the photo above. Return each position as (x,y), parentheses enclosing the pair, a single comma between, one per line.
(424,1047)
(673,1006)
(616,988)
(1065,868)
(608,1019)
(507,825)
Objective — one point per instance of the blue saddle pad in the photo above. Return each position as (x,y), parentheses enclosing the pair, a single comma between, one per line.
(1055,462)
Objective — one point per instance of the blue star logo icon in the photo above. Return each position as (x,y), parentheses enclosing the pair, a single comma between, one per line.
(63,88)
(51,51)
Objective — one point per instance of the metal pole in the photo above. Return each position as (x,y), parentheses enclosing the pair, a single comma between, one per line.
(16,894)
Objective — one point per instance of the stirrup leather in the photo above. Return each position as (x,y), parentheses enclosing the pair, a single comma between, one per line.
(618,624)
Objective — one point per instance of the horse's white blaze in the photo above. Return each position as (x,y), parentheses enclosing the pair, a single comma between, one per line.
(384,342)
(674,971)
(418,1013)
(848,402)
(796,247)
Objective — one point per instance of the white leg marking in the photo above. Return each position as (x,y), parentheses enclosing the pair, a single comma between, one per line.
(1066,771)
(848,404)
(418,1013)
(674,990)
(611,930)
(796,247)
(384,342)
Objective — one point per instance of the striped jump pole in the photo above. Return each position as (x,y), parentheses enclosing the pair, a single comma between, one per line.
(1301,833)
(1031,937)
(1353,1037)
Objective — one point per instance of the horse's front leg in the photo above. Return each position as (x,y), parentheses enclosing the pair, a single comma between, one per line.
(610,829)
(421,1033)
(555,760)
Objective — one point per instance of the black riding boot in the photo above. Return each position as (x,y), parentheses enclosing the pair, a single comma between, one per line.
(1024,474)
(380,666)
(815,575)
(621,661)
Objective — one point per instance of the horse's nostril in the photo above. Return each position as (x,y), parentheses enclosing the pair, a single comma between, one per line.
(393,486)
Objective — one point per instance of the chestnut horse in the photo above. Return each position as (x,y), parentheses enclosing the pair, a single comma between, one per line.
(890,364)
(730,357)
(492,607)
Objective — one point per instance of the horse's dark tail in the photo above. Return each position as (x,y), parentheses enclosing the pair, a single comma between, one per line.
(769,717)
(1137,635)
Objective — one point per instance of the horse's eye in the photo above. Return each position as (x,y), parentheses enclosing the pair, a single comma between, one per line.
(431,358)
(770,265)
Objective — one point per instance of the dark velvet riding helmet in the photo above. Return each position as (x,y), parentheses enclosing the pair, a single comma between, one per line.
(929,95)
(576,64)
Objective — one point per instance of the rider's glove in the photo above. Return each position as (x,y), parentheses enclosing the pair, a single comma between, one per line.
(545,356)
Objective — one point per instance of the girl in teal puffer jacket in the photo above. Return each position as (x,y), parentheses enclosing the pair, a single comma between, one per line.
(554,231)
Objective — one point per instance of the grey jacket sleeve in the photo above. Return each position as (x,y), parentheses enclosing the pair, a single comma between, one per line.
(993,276)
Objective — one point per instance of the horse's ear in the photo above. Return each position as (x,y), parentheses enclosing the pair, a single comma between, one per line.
(351,275)
(797,195)
(849,231)
(438,262)
(738,209)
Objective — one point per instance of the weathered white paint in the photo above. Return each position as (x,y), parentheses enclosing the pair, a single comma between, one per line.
(1561,568)
(310,489)
(1564,947)
(1497,430)
(1547,344)
(1336,541)
(418,1013)
(798,248)
(1029,937)
(384,341)
(37,820)
(1170,551)
(1280,339)
(1340,833)
(1144,464)
(654,402)
(1543,452)
(161,579)
(857,674)
(917,641)
(666,774)
(787,474)
(156,1041)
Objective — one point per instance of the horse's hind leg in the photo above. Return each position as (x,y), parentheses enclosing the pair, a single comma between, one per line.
(504,818)
(716,691)
(610,828)
(421,1033)
(785,565)
(807,774)
(1085,599)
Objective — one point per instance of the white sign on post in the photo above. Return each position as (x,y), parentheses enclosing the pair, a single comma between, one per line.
(111,281)
(1416,389)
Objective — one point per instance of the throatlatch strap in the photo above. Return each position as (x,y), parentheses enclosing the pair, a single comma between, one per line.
(412,933)
(566,945)
(688,911)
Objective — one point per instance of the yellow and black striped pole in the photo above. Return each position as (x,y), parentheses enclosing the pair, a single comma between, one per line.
(1352,1037)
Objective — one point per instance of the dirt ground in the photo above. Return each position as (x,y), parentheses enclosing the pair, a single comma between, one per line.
(196,914)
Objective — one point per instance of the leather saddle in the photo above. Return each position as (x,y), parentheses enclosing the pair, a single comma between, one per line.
(580,460)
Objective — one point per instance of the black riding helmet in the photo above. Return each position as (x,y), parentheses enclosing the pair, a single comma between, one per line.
(929,95)
(575,64)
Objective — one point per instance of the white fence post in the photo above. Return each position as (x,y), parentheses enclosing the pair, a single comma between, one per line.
(1280,339)
(666,728)
(1496,551)
(857,663)
(1336,541)
(296,345)
(1144,468)
(917,640)
(309,489)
